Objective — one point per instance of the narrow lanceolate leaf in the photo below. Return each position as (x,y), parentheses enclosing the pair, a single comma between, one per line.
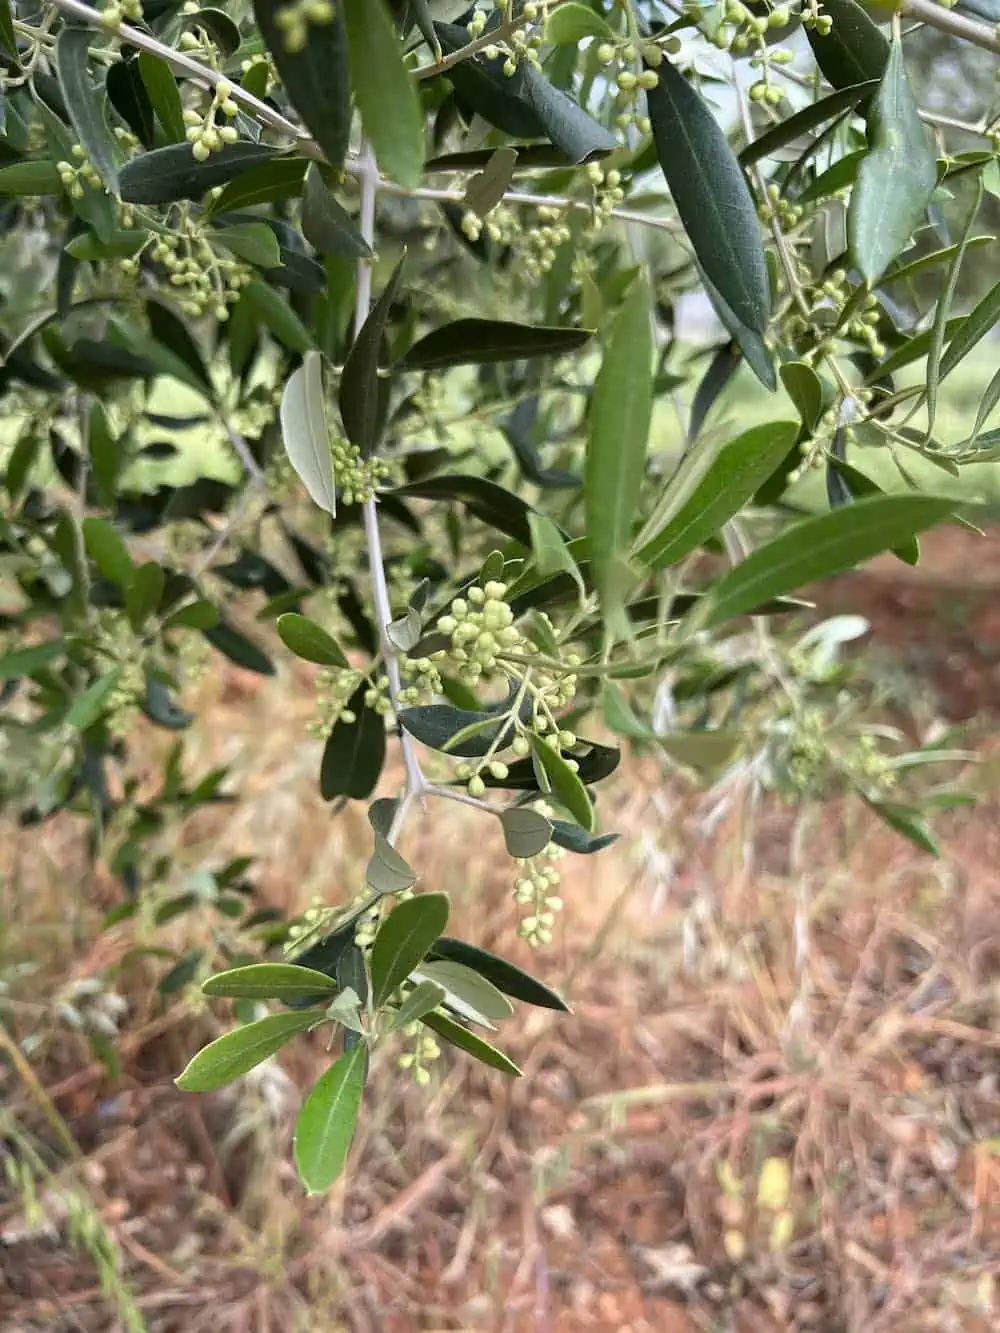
(91,704)
(242,1050)
(709,488)
(25,661)
(457,1035)
(168,174)
(620,413)
(485,341)
(326,224)
(971,330)
(805,389)
(364,393)
(313,66)
(325,1125)
(897,177)
(809,118)
(161,85)
(816,548)
(403,941)
(304,432)
(467,992)
(269,981)
(565,783)
(309,641)
(756,352)
(420,1001)
(506,976)
(551,551)
(486,189)
(711,195)
(354,753)
(108,552)
(85,104)
(387,96)
(854,50)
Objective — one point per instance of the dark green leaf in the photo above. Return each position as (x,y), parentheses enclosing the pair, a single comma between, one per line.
(907,821)
(565,783)
(269,981)
(854,50)
(487,501)
(897,177)
(163,94)
(817,548)
(253,242)
(218,25)
(269,182)
(239,649)
(713,384)
(710,486)
(485,341)
(420,1001)
(310,641)
(315,74)
(755,350)
(160,707)
(434,725)
(711,196)
(7,38)
(127,94)
(805,389)
(506,976)
(857,485)
(391,114)
(274,312)
(809,118)
(195,615)
(85,104)
(243,1049)
(364,393)
(168,174)
(971,330)
(354,753)
(119,245)
(326,224)
(403,941)
(108,552)
(620,414)
(170,331)
(33,177)
(457,1035)
(574,839)
(467,993)
(326,1124)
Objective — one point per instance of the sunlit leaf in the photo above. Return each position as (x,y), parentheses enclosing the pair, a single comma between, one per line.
(403,941)
(243,1049)
(305,433)
(387,97)
(269,981)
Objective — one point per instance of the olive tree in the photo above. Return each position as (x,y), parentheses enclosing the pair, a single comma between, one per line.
(346,330)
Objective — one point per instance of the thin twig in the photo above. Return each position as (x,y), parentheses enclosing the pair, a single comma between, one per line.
(952,24)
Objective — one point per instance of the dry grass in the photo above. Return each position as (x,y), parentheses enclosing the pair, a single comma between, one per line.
(810,995)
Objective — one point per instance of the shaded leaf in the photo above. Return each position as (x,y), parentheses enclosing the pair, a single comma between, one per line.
(387,872)
(168,174)
(142,598)
(238,648)
(711,196)
(487,501)
(316,75)
(253,242)
(565,783)
(276,179)
(854,50)
(354,752)
(810,117)
(486,341)
(525,832)
(326,224)
(274,312)
(506,976)
(467,992)
(127,94)
(161,85)
(420,1001)
(85,105)
(364,393)
(576,839)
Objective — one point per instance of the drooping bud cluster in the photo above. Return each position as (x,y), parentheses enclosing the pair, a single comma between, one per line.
(537,879)
(423,1051)
(207,279)
(334,688)
(77,175)
(522,43)
(293,21)
(205,136)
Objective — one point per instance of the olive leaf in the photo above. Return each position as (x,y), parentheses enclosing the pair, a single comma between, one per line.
(325,1125)
(896,178)
(84,105)
(241,1050)
(304,432)
(387,97)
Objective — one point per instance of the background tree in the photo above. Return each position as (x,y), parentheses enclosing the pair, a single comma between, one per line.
(467,499)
